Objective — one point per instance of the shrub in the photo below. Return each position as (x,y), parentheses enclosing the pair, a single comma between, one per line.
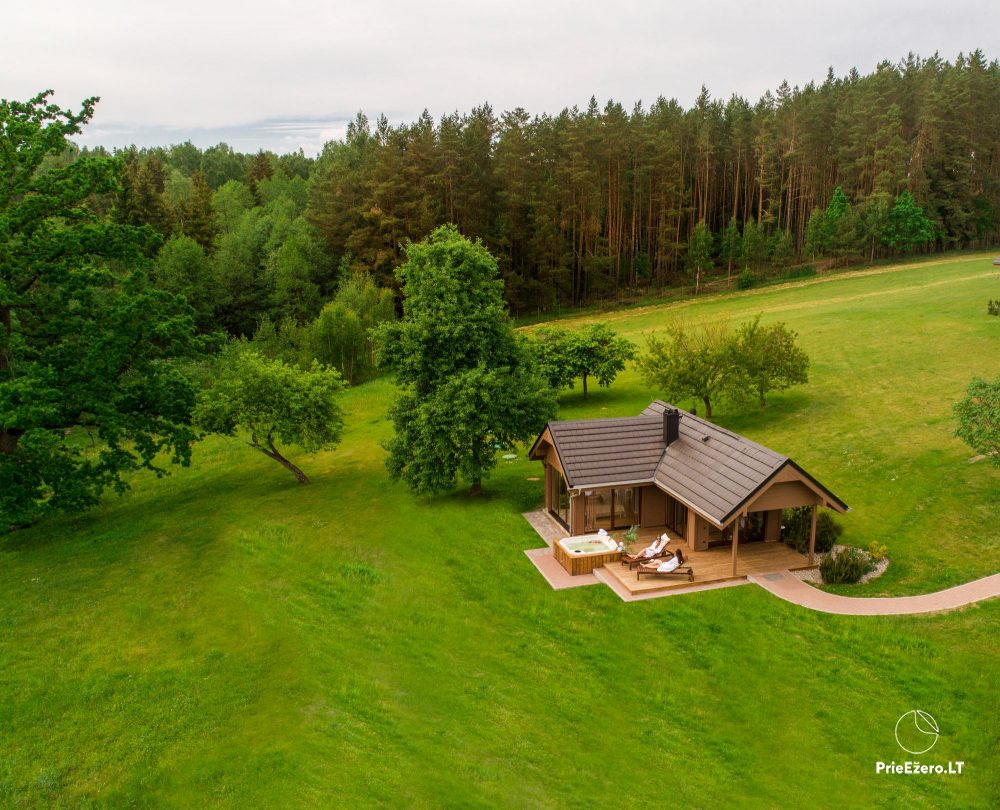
(796,524)
(993,307)
(877,551)
(847,566)
(746,279)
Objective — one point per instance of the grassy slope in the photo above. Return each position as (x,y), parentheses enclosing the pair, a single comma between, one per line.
(224,637)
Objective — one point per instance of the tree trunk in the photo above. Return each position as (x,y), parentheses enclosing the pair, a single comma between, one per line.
(585,385)
(9,437)
(272,452)
(477,487)
(708,407)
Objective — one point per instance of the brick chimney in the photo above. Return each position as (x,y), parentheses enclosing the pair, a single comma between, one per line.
(671,426)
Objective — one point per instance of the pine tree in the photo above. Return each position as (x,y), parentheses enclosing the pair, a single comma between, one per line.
(199,218)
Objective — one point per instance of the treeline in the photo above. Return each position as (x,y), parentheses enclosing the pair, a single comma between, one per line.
(595,203)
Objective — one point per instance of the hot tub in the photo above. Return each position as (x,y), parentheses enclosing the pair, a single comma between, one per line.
(583,553)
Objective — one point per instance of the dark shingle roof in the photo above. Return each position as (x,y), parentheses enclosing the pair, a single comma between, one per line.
(609,451)
(712,469)
(709,468)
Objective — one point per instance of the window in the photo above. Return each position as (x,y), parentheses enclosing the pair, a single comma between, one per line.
(677,516)
(563,500)
(559,496)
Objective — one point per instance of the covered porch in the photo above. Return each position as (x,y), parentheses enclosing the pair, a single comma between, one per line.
(711,565)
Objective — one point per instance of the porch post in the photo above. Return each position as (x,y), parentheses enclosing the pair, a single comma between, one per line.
(812,536)
(736,541)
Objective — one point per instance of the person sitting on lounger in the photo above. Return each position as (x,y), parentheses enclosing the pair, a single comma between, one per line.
(650,552)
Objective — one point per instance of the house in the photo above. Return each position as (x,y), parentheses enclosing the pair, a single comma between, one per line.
(672,469)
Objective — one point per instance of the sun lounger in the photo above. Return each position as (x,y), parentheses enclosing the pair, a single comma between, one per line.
(656,550)
(672,567)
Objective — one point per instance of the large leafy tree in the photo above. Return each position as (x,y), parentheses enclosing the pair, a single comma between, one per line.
(565,356)
(979,418)
(469,388)
(85,341)
(274,402)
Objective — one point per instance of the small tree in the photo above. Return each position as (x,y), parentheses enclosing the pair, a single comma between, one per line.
(815,239)
(470,387)
(274,402)
(732,242)
(754,246)
(372,304)
(979,418)
(769,358)
(596,351)
(874,219)
(699,254)
(907,225)
(692,362)
(838,207)
(781,248)
(337,339)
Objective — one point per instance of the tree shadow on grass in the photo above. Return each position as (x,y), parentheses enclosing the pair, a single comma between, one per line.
(753,419)
(193,507)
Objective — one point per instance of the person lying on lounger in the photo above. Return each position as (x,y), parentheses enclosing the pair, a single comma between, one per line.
(667,566)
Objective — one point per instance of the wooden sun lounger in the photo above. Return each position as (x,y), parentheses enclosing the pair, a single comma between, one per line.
(649,568)
(632,560)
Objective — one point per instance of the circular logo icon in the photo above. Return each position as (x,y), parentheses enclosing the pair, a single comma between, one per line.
(916,732)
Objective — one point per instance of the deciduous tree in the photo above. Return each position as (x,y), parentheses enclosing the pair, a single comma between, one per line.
(768,359)
(693,362)
(274,402)
(979,418)
(469,388)
(565,355)
(85,342)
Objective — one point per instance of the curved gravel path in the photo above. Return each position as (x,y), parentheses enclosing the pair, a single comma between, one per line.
(788,587)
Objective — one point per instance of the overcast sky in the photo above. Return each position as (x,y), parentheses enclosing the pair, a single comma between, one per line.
(289,74)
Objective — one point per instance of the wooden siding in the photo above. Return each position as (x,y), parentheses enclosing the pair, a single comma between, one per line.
(652,507)
(784,495)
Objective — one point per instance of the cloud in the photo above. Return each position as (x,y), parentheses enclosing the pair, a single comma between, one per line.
(279,75)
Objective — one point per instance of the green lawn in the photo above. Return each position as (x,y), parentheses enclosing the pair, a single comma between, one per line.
(227,638)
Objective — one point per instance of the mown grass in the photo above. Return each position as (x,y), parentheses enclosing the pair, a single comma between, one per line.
(226,638)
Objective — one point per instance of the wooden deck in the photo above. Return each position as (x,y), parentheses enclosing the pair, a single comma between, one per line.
(713,565)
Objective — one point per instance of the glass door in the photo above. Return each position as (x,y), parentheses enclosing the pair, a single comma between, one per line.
(624,507)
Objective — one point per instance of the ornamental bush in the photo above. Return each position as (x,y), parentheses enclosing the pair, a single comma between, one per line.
(877,551)
(846,566)
(796,530)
